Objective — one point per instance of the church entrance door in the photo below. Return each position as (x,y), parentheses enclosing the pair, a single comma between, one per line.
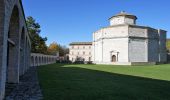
(113,58)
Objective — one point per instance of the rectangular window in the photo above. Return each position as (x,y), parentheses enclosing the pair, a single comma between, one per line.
(83,53)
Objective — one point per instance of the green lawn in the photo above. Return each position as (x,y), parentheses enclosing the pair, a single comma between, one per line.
(105,82)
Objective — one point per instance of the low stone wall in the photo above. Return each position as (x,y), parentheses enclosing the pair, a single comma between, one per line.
(41,59)
(126,63)
(143,63)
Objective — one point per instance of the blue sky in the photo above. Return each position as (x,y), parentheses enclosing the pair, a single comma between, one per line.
(65,21)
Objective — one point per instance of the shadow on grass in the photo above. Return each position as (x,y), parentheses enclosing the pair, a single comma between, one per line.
(74,83)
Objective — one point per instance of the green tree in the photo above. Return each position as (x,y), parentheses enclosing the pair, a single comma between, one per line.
(63,50)
(168,45)
(37,42)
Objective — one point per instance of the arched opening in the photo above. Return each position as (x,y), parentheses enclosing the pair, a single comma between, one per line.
(114,58)
(32,61)
(13,48)
(42,60)
(36,61)
(39,63)
(22,51)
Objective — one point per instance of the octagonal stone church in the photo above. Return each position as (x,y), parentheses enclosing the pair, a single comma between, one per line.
(125,43)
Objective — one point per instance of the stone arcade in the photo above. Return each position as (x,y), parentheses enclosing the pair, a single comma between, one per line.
(125,43)
(41,59)
(15,45)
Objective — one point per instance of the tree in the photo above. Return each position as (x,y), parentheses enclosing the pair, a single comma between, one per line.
(168,45)
(63,50)
(53,49)
(37,42)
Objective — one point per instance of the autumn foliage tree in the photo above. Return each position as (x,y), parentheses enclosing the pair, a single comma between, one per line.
(53,48)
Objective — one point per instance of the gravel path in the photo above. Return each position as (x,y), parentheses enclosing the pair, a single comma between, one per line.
(28,88)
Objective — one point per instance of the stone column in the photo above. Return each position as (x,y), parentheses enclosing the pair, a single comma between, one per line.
(3,49)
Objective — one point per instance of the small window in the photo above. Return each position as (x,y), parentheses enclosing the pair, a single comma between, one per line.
(78,53)
(83,53)
(83,47)
(72,47)
(78,47)
(89,53)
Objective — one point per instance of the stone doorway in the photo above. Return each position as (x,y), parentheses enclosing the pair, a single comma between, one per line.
(114,58)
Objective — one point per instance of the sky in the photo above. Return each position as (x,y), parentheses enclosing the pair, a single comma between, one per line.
(66,21)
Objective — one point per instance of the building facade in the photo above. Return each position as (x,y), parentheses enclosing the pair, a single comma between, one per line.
(80,51)
(125,43)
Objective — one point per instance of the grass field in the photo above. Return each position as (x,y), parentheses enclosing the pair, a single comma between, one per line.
(105,82)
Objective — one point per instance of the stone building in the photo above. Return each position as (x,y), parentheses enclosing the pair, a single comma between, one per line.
(14,43)
(125,43)
(80,51)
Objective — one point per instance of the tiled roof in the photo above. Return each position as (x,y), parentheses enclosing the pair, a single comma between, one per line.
(81,43)
(123,13)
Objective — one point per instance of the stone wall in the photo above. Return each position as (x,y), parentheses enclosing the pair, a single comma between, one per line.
(162,45)
(108,42)
(138,50)
(14,43)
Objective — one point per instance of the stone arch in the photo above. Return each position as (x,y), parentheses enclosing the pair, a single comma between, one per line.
(22,51)
(42,60)
(32,61)
(36,60)
(13,47)
(39,63)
